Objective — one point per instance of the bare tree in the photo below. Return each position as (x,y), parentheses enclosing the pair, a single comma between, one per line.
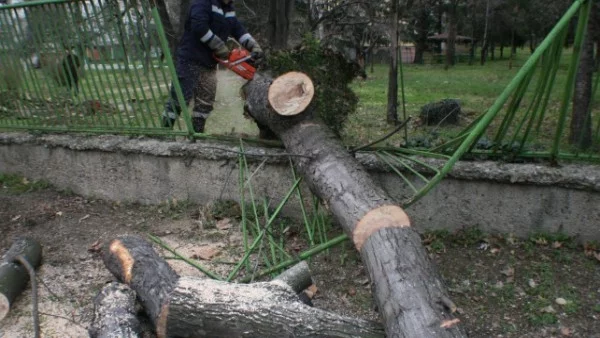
(485,43)
(452,29)
(581,122)
(280,15)
(392,107)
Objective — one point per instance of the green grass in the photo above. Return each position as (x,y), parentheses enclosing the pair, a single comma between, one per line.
(475,86)
(17,184)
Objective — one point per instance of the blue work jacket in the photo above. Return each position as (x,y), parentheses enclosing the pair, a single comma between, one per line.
(207,17)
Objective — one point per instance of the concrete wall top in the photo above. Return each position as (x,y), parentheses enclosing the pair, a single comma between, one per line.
(572,176)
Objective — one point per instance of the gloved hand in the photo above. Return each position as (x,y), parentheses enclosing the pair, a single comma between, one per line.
(258,55)
(222,52)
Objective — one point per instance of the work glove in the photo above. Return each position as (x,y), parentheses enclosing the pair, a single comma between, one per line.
(219,48)
(258,55)
(222,52)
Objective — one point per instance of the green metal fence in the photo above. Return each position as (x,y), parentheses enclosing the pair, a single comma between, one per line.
(93,66)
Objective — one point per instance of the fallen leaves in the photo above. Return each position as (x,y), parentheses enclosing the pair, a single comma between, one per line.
(224,224)
(449,323)
(206,252)
(548,309)
(592,250)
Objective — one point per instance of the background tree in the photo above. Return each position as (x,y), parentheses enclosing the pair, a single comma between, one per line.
(395,15)
(581,121)
(392,107)
(423,23)
(280,16)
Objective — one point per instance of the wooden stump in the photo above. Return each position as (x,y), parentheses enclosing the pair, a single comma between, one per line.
(14,277)
(409,292)
(193,307)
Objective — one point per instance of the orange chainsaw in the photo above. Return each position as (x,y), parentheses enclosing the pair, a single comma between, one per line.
(240,62)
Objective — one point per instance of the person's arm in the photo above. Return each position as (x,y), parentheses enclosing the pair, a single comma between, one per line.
(200,12)
(241,34)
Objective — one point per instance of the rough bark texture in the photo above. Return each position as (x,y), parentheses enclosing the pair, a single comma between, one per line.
(114,313)
(452,31)
(392,104)
(167,26)
(581,121)
(298,277)
(192,307)
(134,262)
(207,308)
(408,289)
(280,15)
(13,276)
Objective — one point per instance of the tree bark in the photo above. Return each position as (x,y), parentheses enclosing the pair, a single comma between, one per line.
(193,307)
(114,313)
(484,45)
(392,104)
(581,121)
(452,31)
(410,294)
(167,23)
(280,16)
(14,277)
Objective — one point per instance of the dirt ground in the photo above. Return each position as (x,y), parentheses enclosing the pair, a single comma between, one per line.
(540,287)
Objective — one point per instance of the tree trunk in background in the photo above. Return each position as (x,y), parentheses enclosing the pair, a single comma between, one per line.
(392,104)
(452,31)
(581,121)
(280,16)
(167,23)
(484,45)
(422,28)
(184,8)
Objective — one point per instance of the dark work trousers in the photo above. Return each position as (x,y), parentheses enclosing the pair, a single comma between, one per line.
(198,83)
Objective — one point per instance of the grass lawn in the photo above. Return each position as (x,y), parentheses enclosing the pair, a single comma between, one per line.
(475,86)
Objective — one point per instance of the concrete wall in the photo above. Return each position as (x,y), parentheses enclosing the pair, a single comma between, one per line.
(508,198)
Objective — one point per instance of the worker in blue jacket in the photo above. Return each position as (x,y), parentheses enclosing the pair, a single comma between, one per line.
(207,27)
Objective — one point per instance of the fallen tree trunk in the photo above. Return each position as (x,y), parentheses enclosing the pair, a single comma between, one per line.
(14,277)
(194,307)
(114,313)
(410,294)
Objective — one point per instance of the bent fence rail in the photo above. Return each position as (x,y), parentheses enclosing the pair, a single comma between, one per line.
(79,65)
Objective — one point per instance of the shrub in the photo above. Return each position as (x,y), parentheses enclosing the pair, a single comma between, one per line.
(331,74)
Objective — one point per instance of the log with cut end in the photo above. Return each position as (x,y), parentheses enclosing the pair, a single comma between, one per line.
(14,277)
(410,293)
(114,313)
(193,307)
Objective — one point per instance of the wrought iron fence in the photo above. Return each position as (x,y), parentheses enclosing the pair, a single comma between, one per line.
(85,65)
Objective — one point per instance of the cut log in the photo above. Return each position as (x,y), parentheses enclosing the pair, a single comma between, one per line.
(298,277)
(410,293)
(114,313)
(14,277)
(193,307)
